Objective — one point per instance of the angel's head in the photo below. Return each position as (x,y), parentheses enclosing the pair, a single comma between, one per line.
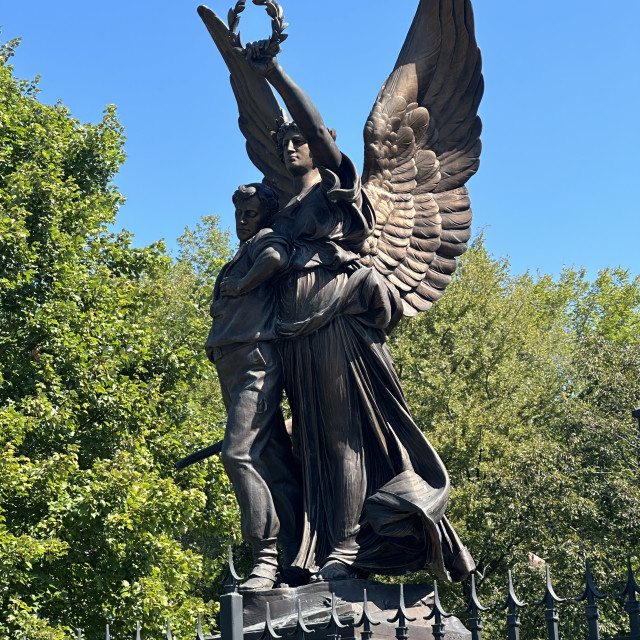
(293,148)
(256,204)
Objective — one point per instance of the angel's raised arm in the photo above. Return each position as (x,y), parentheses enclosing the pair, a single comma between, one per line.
(304,113)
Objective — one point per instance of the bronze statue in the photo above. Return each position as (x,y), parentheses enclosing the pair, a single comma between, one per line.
(256,450)
(357,254)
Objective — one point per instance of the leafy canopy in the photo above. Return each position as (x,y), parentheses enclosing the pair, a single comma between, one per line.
(103,385)
(524,385)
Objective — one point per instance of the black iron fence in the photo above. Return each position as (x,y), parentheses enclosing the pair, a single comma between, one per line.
(337,627)
(138,633)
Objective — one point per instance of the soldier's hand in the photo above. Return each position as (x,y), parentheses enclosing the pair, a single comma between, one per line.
(230,287)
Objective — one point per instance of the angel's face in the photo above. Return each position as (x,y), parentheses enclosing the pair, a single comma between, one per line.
(296,154)
(250,218)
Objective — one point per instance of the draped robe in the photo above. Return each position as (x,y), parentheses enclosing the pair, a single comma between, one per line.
(374,489)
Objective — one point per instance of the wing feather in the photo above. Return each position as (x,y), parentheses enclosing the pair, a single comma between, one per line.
(258,109)
(422,144)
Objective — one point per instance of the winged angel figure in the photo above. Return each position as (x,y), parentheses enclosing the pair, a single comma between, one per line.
(361,252)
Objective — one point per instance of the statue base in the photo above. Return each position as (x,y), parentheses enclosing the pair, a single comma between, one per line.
(315,603)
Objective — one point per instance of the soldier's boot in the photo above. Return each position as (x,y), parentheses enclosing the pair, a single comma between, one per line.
(265,567)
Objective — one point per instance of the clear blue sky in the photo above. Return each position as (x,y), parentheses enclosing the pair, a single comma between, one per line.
(558,179)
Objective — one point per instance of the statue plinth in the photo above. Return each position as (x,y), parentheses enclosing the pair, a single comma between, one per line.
(315,604)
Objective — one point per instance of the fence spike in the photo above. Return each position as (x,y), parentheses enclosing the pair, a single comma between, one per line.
(232,578)
(631,585)
(366,621)
(549,593)
(632,606)
(402,617)
(550,612)
(269,633)
(590,593)
(107,635)
(473,610)
(437,613)
(592,611)
(511,606)
(334,625)
(512,599)
(169,634)
(199,634)
(301,629)
(79,634)
(138,636)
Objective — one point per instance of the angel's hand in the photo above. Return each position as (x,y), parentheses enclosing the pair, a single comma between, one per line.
(231,287)
(260,57)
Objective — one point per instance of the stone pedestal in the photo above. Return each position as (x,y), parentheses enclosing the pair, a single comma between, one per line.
(315,601)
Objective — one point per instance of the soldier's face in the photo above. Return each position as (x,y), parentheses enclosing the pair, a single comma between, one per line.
(250,217)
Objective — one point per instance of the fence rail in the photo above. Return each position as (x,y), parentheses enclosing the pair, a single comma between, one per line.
(232,628)
(231,615)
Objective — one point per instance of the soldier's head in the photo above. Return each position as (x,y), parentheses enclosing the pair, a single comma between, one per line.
(255,204)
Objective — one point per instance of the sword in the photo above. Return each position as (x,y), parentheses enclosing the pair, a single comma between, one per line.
(207,452)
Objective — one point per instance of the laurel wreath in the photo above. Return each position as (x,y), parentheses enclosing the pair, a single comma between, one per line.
(271,46)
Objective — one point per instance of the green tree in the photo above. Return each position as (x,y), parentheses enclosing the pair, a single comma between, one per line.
(103,385)
(525,386)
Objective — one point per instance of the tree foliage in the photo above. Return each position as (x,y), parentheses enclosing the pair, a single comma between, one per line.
(103,385)
(524,384)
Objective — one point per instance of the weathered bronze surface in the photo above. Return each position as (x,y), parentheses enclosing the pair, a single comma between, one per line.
(318,289)
(315,601)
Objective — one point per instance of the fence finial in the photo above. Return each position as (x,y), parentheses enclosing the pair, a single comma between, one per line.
(632,606)
(232,578)
(334,624)
(138,637)
(511,606)
(301,630)
(269,633)
(199,634)
(169,634)
(402,617)
(591,610)
(437,613)
(549,594)
(590,592)
(366,621)
(473,610)
(551,613)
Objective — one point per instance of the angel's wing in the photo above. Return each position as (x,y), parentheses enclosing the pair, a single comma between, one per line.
(257,106)
(422,144)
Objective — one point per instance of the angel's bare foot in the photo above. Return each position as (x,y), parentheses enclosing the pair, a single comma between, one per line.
(336,570)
